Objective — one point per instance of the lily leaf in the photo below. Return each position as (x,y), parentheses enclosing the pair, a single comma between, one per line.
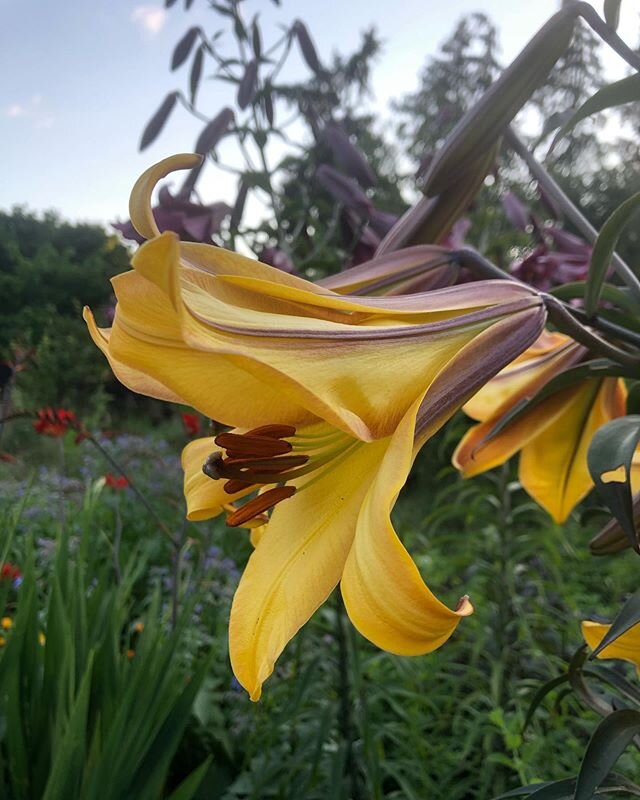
(540,694)
(564,789)
(196,73)
(184,47)
(617,295)
(612,447)
(610,739)
(626,90)
(603,250)
(628,616)
(157,121)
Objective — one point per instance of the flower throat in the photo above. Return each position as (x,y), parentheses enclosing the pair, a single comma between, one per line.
(264,457)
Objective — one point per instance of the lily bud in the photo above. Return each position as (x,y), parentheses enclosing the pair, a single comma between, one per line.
(477,130)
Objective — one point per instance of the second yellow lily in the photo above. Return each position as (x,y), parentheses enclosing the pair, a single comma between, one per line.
(554,436)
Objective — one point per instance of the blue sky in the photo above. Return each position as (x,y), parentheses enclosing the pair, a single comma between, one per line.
(82,77)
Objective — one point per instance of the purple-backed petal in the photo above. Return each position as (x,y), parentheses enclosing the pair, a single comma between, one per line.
(347,155)
(516,211)
(567,242)
(345,190)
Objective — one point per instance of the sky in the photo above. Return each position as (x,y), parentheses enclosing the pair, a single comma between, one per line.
(81,78)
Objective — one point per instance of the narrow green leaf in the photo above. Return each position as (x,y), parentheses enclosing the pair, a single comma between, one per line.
(184,47)
(603,250)
(68,759)
(191,783)
(626,90)
(158,120)
(628,616)
(196,74)
(613,446)
(539,696)
(617,295)
(609,741)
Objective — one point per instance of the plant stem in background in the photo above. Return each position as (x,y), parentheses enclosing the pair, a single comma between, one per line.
(345,722)
(62,462)
(134,488)
(175,582)
(574,215)
(117,538)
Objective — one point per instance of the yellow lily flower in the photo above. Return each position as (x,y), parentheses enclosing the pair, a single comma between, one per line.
(330,396)
(554,436)
(625,647)
(200,325)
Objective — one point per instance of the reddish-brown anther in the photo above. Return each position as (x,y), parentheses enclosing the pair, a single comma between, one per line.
(235,485)
(273,431)
(260,504)
(239,445)
(269,465)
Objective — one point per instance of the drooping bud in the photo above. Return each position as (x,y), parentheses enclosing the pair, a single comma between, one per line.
(344,190)
(485,121)
(347,155)
(431,219)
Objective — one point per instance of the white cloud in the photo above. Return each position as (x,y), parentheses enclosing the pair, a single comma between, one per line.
(150,18)
(31,111)
(16,110)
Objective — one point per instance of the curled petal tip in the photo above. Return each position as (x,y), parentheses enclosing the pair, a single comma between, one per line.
(464,608)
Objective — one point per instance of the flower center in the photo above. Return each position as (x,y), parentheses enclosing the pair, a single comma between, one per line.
(264,457)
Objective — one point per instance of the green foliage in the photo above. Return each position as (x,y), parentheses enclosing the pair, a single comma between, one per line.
(82,713)
(48,270)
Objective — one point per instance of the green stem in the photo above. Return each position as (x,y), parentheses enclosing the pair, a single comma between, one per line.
(575,216)
(105,453)
(565,317)
(117,539)
(345,722)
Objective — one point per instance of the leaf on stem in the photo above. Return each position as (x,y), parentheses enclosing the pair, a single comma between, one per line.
(158,120)
(603,250)
(615,94)
(610,453)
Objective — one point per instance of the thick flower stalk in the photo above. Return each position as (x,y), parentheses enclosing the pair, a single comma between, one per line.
(330,397)
(553,436)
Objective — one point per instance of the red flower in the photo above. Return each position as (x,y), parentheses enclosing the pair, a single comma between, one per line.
(55,422)
(191,423)
(9,571)
(116,481)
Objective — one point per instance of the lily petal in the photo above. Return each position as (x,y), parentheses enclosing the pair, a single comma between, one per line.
(298,561)
(131,378)
(553,465)
(384,594)
(146,336)
(625,647)
(140,200)
(548,356)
